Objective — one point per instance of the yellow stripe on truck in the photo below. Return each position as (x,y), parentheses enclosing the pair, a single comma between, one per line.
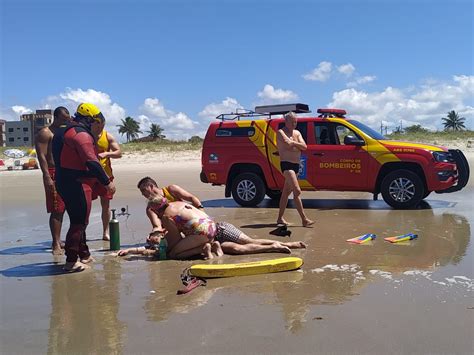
(259,142)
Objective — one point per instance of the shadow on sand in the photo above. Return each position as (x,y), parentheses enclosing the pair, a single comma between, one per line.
(330,204)
(34,270)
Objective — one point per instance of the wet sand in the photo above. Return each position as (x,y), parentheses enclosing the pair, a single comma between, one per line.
(373,299)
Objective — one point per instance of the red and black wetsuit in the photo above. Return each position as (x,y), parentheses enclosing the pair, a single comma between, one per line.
(77,169)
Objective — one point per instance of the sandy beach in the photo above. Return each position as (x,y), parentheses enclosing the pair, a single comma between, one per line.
(377,298)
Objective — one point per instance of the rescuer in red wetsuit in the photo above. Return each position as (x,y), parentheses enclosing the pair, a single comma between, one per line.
(77,170)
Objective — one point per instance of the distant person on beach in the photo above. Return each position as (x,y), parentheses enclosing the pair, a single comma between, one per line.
(54,203)
(108,148)
(77,171)
(189,232)
(290,143)
(149,189)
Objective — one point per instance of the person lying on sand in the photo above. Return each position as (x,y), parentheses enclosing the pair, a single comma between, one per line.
(199,230)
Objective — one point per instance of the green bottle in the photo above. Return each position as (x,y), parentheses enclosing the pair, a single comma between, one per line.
(163,247)
(114,233)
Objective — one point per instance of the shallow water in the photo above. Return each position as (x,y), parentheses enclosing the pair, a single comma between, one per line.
(374,298)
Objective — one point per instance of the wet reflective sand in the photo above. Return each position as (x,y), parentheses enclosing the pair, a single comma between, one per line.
(415,297)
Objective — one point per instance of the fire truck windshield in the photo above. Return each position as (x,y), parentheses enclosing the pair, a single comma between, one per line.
(367,130)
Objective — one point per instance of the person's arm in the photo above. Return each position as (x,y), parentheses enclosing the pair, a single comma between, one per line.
(84,145)
(114,149)
(184,195)
(136,251)
(41,145)
(154,220)
(300,144)
(284,139)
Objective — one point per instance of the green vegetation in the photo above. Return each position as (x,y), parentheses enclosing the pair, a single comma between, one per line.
(453,122)
(156,132)
(130,127)
(161,146)
(433,137)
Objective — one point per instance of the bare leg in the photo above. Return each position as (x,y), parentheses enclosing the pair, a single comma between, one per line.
(290,176)
(285,193)
(295,245)
(207,252)
(239,249)
(105,203)
(55,224)
(216,248)
(189,246)
(77,266)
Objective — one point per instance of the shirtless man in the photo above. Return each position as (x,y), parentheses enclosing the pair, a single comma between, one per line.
(290,144)
(149,189)
(54,204)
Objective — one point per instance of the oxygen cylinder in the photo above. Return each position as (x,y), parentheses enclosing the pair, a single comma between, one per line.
(114,229)
(162,248)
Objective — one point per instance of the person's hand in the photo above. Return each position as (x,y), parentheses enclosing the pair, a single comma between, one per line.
(102,155)
(48,183)
(110,188)
(122,252)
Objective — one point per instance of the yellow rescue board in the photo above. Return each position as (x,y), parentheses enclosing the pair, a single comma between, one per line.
(245,269)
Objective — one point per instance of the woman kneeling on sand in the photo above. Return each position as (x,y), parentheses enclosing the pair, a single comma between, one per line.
(190,231)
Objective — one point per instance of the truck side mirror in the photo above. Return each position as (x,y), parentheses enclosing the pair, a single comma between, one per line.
(351,140)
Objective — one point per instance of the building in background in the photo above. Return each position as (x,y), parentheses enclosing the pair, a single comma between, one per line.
(38,120)
(2,133)
(18,133)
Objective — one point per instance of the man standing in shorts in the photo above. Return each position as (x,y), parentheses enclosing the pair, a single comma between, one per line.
(108,148)
(290,143)
(54,203)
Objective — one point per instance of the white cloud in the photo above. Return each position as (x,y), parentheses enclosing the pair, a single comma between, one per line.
(321,73)
(424,105)
(176,126)
(346,69)
(213,110)
(153,107)
(71,98)
(271,95)
(21,110)
(362,80)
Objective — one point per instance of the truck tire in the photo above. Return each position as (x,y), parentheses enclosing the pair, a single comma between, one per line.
(402,189)
(274,194)
(248,189)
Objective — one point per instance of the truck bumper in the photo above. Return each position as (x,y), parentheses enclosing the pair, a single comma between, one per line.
(463,171)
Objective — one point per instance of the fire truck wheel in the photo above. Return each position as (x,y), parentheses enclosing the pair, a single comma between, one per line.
(248,189)
(274,194)
(402,189)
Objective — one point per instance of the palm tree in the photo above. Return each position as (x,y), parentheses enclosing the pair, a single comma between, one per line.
(453,121)
(156,131)
(130,127)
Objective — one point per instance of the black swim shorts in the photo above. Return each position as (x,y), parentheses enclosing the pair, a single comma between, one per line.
(286,165)
(227,232)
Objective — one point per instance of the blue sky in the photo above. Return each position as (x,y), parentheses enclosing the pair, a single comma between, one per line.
(180,63)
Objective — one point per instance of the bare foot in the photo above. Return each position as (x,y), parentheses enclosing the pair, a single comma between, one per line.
(207,252)
(216,248)
(307,222)
(105,237)
(283,222)
(90,259)
(295,245)
(75,267)
(280,248)
(57,249)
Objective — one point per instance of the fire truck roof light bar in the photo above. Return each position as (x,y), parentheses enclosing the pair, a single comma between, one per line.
(282,109)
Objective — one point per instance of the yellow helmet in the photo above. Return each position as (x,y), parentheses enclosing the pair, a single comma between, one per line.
(89,112)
